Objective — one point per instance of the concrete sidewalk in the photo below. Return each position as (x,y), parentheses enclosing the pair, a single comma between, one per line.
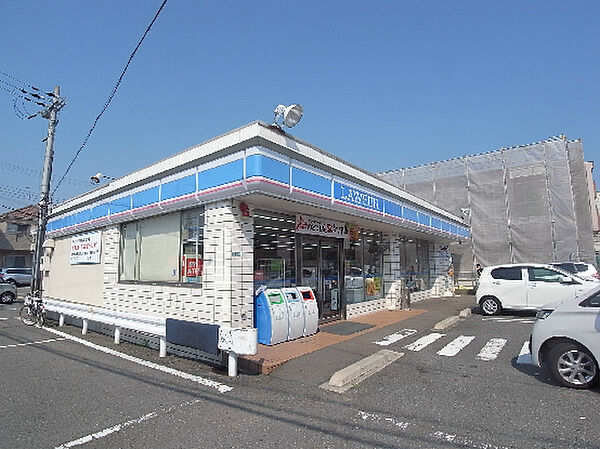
(269,358)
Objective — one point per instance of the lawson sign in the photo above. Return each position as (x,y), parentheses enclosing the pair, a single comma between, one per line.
(86,248)
(356,197)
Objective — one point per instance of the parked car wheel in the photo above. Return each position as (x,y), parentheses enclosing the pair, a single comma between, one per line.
(7,297)
(572,365)
(12,281)
(490,305)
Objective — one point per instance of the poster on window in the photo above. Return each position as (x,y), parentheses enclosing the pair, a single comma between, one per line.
(307,224)
(86,248)
(192,269)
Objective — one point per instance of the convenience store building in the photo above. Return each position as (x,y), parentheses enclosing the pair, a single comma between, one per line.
(193,236)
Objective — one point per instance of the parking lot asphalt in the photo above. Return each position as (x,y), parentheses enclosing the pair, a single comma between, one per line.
(423,314)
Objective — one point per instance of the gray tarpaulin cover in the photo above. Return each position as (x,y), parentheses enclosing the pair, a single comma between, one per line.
(524,204)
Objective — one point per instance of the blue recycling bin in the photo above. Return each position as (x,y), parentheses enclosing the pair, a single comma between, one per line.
(271,317)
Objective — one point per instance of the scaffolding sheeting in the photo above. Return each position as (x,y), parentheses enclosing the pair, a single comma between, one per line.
(524,204)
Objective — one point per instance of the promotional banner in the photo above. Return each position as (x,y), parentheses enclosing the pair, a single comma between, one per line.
(86,248)
(307,224)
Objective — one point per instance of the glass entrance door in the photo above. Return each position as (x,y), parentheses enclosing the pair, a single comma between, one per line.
(321,272)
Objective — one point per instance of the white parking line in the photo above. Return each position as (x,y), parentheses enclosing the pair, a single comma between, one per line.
(510,320)
(221,388)
(412,428)
(119,427)
(29,343)
(3,319)
(424,341)
(455,346)
(525,356)
(491,349)
(393,338)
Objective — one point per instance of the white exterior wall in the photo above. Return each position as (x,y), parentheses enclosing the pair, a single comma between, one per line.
(226,295)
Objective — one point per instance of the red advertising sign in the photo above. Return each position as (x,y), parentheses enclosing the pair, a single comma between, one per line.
(192,267)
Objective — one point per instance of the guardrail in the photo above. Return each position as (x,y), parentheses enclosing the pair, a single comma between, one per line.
(233,341)
(139,323)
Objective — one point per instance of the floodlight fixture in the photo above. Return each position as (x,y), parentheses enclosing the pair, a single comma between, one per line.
(290,115)
(98,176)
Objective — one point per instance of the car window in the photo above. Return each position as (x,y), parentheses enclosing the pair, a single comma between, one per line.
(538,274)
(592,301)
(509,273)
(566,266)
(581,267)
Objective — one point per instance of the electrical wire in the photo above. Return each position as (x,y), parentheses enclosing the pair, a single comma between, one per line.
(111,96)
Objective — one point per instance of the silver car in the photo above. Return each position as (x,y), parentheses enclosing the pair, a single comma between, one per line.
(8,292)
(16,276)
(565,340)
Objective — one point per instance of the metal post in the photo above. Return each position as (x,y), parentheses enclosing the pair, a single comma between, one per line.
(51,114)
(84,327)
(117,335)
(232,364)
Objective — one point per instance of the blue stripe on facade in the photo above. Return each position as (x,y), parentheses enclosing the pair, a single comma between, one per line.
(436,223)
(309,181)
(120,205)
(178,187)
(409,214)
(424,219)
(259,165)
(393,209)
(145,197)
(99,211)
(223,174)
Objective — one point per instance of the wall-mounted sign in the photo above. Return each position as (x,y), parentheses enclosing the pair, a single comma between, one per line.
(357,197)
(307,224)
(86,248)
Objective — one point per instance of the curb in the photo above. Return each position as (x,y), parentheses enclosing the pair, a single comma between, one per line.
(452,320)
(346,378)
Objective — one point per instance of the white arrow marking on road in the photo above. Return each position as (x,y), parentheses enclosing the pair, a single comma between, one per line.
(424,341)
(455,346)
(491,349)
(393,338)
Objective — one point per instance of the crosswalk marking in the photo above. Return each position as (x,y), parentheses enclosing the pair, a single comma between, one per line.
(455,346)
(393,338)
(491,349)
(424,341)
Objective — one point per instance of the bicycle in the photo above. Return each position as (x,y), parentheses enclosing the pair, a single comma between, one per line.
(32,312)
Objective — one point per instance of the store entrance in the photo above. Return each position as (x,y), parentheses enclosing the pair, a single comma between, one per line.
(320,262)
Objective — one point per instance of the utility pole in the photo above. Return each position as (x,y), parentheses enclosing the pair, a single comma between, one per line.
(51,114)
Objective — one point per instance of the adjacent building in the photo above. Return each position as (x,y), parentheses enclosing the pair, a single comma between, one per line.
(17,233)
(529,203)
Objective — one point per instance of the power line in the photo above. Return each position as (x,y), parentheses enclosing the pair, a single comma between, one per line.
(7,166)
(111,96)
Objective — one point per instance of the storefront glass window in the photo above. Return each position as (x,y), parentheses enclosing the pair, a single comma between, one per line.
(192,245)
(363,267)
(373,265)
(274,249)
(353,269)
(151,248)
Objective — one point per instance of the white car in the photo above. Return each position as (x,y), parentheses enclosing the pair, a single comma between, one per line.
(526,286)
(581,269)
(565,340)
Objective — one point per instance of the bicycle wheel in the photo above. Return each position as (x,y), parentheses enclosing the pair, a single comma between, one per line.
(27,315)
(41,318)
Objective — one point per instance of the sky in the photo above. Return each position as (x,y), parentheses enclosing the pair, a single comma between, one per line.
(384,84)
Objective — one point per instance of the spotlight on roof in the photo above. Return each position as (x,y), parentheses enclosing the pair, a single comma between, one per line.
(290,115)
(98,176)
